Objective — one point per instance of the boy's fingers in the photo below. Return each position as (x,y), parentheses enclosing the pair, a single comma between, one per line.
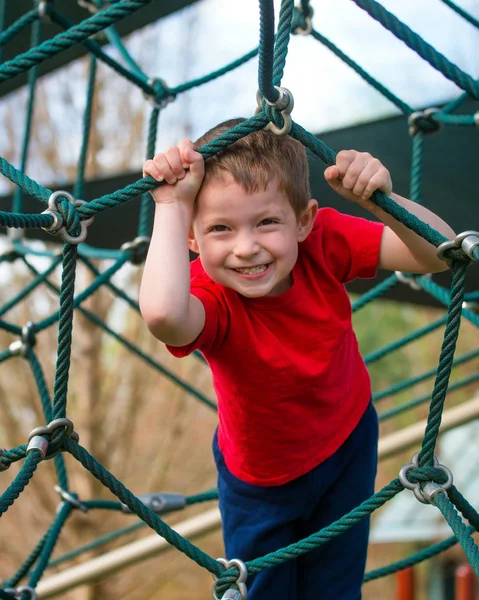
(185,147)
(176,164)
(351,176)
(163,168)
(381,180)
(331,173)
(365,181)
(196,163)
(344,160)
(149,168)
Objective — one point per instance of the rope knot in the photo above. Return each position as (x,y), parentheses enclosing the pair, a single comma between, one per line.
(62,206)
(423,121)
(69,214)
(425,481)
(49,439)
(161,94)
(464,247)
(231,584)
(278,112)
(301,23)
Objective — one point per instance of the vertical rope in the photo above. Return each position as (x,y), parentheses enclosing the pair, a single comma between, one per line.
(147,204)
(416,167)
(67,292)
(32,81)
(87,120)
(282,40)
(266,51)
(445,364)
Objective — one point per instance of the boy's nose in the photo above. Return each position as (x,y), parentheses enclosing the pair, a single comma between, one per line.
(245,246)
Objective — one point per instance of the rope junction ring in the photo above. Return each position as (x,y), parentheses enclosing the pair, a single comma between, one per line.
(240,582)
(426,494)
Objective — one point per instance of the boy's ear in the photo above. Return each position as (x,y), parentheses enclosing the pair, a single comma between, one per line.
(306,220)
(192,243)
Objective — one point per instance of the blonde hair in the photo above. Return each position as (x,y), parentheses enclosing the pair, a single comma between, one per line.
(255,159)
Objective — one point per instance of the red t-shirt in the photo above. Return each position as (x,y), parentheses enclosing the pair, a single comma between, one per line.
(290,382)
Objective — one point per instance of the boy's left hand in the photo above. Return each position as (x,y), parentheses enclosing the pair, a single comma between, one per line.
(356,175)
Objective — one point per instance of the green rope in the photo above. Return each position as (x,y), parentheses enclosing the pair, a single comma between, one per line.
(63,41)
(272,56)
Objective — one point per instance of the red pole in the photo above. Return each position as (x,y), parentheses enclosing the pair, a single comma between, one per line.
(405,584)
(465,583)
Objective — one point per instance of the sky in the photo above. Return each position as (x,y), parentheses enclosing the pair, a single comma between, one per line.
(211,33)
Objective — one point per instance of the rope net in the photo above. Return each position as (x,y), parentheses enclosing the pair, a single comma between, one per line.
(65,215)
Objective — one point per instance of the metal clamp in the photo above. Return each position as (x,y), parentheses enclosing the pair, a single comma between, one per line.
(165,100)
(240,582)
(69,499)
(430,489)
(137,248)
(18,592)
(472,306)
(424,115)
(26,341)
(411,280)
(37,441)
(58,227)
(43,10)
(307,19)
(159,503)
(285,104)
(91,7)
(468,241)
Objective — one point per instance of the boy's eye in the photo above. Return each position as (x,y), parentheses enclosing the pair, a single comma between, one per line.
(219,228)
(268,221)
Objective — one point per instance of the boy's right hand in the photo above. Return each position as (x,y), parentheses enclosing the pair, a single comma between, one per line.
(180,166)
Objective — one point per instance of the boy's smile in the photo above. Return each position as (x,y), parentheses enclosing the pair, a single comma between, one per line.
(248,241)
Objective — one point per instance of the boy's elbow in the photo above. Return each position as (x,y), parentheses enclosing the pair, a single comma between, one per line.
(158,321)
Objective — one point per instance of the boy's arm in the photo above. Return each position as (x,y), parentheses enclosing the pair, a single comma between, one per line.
(171,313)
(356,176)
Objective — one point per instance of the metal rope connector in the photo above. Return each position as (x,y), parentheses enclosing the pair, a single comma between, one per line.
(468,241)
(430,489)
(37,441)
(70,499)
(58,228)
(308,23)
(410,279)
(44,10)
(23,589)
(285,104)
(422,120)
(137,249)
(242,592)
(159,503)
(26,341)
(161,96)
(471,305)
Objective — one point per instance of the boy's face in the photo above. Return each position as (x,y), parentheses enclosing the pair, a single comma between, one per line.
(248,242)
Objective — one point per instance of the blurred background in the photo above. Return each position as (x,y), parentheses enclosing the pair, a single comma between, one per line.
(152,434)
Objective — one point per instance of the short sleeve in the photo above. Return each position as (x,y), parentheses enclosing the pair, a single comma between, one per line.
(350,245)
(216,311)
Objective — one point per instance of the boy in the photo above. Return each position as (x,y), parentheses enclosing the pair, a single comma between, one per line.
(265,303)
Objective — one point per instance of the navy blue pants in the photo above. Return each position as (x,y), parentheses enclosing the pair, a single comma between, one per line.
(258,520)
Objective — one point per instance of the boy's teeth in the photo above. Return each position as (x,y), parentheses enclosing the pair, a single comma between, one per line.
(252,270)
